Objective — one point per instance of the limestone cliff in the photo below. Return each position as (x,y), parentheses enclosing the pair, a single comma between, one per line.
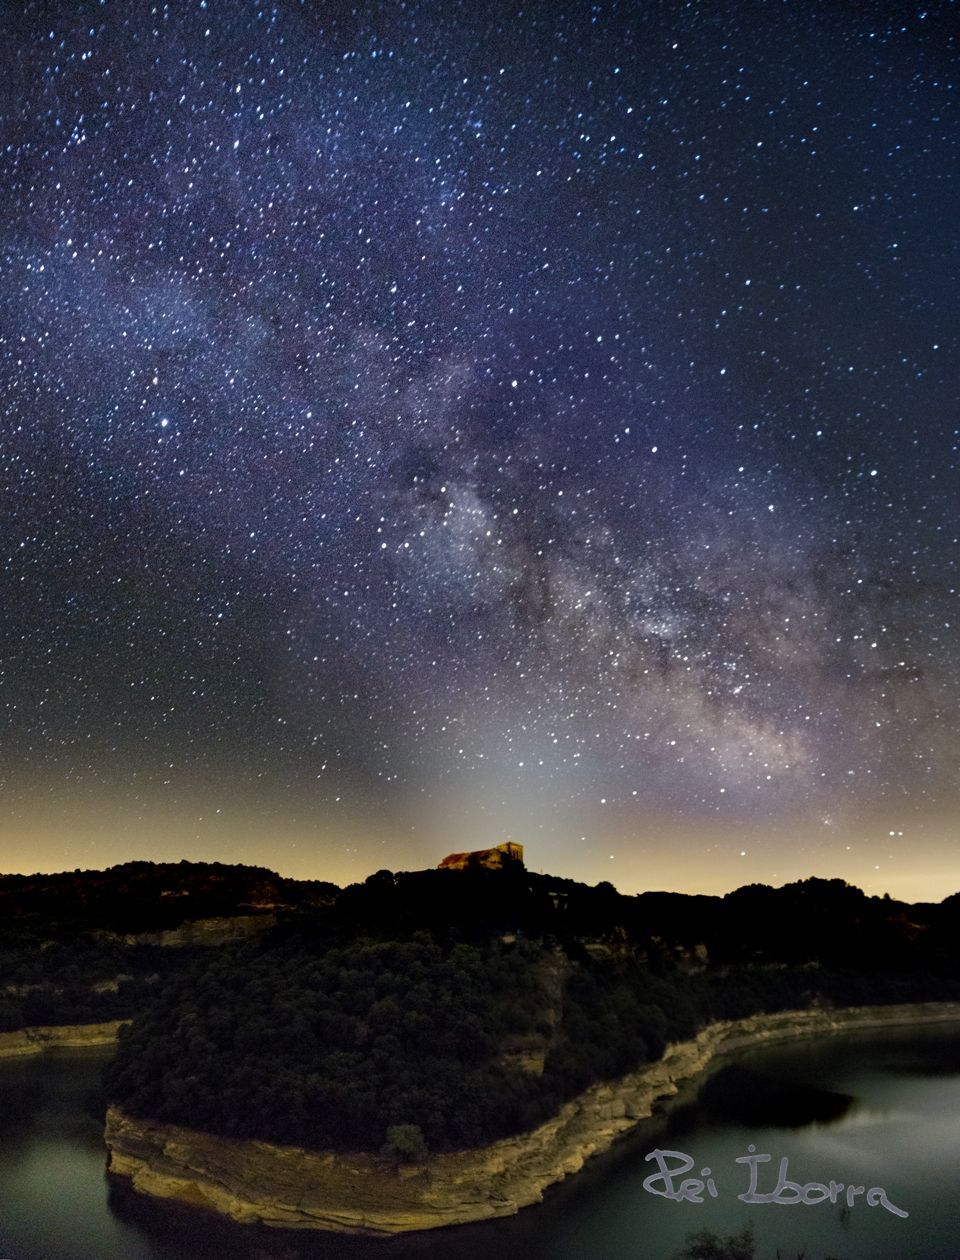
(33,1040)
(223,930)
(297,1189)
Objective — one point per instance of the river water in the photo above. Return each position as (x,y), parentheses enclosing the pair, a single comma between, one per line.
(873,1109)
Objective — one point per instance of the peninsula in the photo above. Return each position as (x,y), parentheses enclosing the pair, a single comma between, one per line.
(439,1046)
(431,1047)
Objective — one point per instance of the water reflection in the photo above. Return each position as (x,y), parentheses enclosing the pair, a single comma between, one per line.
(878,1109)
(744,1096)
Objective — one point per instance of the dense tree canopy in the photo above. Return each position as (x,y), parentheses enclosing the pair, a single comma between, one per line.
(442,1007)
(332,1049)
(342,1029)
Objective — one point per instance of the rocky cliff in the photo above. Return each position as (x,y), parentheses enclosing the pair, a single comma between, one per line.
(217,931)
(33,1040)
(298,1189)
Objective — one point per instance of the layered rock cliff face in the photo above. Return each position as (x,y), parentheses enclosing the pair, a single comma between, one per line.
(255,1182)
(33,1040)
(216,931)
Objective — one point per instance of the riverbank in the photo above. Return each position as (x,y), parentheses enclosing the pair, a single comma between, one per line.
(14,1045)
(286,1187)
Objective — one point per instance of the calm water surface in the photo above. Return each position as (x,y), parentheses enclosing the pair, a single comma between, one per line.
(878,1109)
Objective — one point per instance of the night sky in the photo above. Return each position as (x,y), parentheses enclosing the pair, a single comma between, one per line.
(426,425)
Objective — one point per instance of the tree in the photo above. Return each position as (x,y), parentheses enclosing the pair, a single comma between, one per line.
(709,1246)
(405,1144)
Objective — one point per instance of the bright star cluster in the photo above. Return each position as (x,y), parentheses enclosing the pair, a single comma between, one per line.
(426,424)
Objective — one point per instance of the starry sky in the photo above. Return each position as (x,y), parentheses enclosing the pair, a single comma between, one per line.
(426,425)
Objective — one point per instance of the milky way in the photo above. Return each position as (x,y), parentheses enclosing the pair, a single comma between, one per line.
(464,421)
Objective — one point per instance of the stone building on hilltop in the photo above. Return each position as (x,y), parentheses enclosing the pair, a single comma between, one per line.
(498,859)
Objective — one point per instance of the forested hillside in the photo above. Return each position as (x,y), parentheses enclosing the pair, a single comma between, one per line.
(439,1010)
(85,946)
